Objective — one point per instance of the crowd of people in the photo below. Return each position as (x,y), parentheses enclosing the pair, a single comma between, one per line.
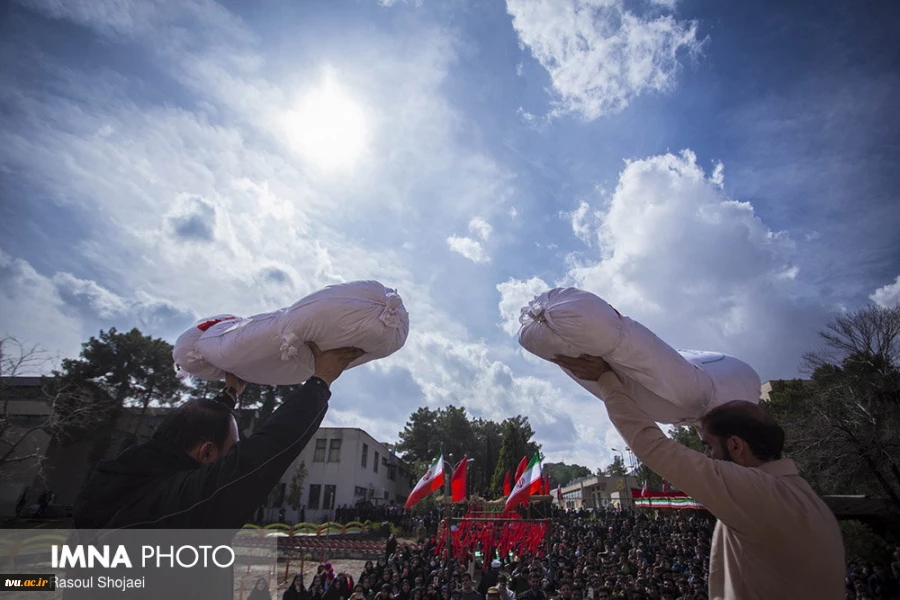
(605,555)
(608,555)
(368,511)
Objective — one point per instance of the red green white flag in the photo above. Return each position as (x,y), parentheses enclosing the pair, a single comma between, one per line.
(430,482)
(529,483)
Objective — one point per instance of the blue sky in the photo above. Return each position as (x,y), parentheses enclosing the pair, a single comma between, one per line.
(722,172)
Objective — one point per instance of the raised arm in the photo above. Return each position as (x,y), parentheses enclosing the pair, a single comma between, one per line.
(224,493)
(720,486)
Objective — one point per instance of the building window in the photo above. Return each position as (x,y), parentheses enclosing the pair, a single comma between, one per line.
(315,490)
(359,492)
(334,451)
(328,501)
(375,464)
(392,472)
(365,459)
(319,456)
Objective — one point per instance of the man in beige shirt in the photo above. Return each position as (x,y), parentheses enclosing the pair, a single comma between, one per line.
(775,538)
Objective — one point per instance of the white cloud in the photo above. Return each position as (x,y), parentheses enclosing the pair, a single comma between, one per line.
(601,55)
(515,294)
(584,222)
(471,249)
(198,208)
(887,296)
(60,311)
(699,268)
(389,3)
(88,295)
(480,227)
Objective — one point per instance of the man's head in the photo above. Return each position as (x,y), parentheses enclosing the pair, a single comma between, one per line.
(201,428)
(741,432)
(467,582)
(535,580)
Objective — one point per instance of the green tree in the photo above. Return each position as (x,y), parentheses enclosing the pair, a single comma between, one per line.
(562,474)
(843,425)
(687,436)
(511,452)
(123,370)
(261,399)
(294,496)
(488,437)
(617,467)
(521,423)
(653,479)
(454,431)
(418,440)
(479,439)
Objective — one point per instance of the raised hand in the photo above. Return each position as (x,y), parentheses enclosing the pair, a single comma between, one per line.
(331,363)
(588,368)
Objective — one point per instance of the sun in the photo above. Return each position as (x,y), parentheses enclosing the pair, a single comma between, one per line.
(328,127)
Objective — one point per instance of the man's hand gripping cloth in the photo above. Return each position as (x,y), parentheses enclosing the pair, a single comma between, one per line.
(672,386)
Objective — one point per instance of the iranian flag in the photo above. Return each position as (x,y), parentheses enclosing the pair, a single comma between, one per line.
(431,481)
(529,483)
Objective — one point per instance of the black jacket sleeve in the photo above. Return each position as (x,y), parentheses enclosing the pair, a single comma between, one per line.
(224,494)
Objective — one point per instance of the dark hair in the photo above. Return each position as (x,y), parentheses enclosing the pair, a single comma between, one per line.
(196,421)
(750,423)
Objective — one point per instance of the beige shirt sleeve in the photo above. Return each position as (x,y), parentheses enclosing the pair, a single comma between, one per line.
(721,487)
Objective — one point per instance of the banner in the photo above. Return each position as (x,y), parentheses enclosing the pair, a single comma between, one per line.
(643,499)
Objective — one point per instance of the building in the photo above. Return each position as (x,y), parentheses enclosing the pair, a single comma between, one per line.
(344,466)
(24,410)
(38,463)
(599,492)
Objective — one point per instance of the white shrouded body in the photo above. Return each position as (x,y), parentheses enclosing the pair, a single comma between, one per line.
(270,348)
(672,386)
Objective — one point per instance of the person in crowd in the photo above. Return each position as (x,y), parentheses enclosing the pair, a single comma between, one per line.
(368,589)
(503,589)
(296,591)
(195,473)
(339,589)
(489,579)
(535,592)
(260,591)
(468,590)
(316,591)
(390,548)
(769,518)
(565,591)
(368,570)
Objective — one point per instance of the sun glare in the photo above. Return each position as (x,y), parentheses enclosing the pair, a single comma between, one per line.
(328,128)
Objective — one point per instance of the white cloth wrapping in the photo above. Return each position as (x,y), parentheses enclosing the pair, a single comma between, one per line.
(270,348)
(675,387)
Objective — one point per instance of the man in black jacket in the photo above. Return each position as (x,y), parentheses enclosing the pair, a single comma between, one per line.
(195,474)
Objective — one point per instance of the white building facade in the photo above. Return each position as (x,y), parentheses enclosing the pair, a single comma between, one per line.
(344,466)
(600,492)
